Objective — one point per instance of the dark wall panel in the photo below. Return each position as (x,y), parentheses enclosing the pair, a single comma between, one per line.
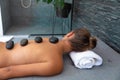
(101,17)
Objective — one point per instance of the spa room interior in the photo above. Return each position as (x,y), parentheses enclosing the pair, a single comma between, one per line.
(29,18)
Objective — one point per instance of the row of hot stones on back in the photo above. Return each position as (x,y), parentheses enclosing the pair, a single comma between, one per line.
(24,42)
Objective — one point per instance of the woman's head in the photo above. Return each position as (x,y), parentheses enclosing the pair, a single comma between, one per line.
(82,40)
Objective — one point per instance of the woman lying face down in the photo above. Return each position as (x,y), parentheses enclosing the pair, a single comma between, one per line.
(42,59)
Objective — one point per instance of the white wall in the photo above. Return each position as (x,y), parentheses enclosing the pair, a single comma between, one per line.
(1,26)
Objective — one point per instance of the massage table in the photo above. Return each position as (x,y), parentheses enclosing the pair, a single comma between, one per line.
(109,70)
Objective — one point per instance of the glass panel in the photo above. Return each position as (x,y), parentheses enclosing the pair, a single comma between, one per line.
(34,18)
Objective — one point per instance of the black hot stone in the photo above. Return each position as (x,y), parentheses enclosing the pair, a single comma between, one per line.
(53,40)
(9,44)
(38,39)
(23,42)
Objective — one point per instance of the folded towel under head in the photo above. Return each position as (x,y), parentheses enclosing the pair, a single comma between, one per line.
(86,59)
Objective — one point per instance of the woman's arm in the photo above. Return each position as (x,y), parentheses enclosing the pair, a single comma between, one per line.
(36,69)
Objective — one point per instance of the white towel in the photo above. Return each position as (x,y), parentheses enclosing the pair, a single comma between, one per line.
(86,59)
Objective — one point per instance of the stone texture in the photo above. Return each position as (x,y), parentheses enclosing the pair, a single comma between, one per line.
(101,17)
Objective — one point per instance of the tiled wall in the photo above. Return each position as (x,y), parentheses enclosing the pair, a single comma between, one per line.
(101,17)
(5,14)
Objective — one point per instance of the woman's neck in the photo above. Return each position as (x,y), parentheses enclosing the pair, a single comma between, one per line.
(66,46)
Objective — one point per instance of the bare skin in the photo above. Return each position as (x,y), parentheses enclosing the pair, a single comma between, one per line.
(41,59)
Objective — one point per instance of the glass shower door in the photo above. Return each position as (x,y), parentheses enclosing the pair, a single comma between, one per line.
(34,19)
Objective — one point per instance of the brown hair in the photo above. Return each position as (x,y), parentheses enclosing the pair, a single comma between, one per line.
(82,40)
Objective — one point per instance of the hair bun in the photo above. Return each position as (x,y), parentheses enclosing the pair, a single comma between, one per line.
(93,42)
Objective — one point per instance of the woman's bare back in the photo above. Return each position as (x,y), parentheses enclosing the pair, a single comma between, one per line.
(31,53)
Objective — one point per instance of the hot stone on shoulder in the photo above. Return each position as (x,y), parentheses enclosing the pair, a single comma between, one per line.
(38,39)
(53,40)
